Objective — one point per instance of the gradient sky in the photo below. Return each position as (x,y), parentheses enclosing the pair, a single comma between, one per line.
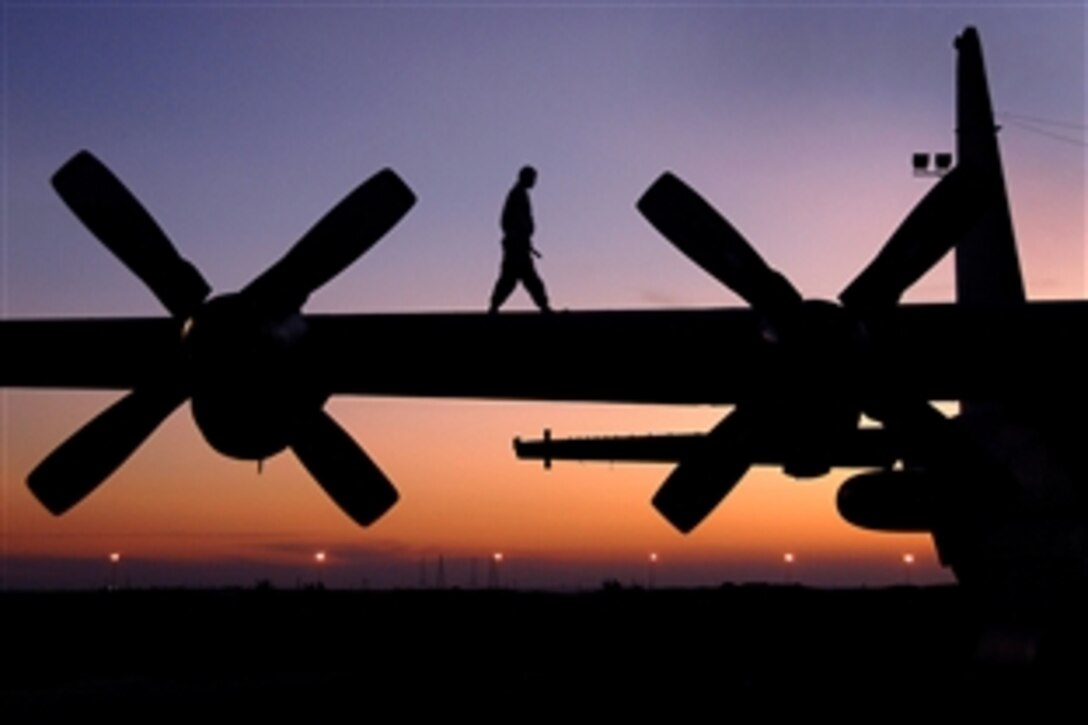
(239,124)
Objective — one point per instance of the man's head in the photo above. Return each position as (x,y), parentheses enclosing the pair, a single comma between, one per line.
(527,177)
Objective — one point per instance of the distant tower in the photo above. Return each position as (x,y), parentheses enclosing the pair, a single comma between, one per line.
(472,573)
(423,572)
(493,580)
(440,575)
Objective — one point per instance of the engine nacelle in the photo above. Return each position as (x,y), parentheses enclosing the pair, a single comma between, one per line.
(897,501)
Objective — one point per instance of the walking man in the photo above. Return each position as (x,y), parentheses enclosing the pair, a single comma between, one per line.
(517,246)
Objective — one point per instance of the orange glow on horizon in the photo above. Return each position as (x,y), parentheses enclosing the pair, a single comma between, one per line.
(463,493)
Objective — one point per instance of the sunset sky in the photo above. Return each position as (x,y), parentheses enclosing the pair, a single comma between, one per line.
(239,124)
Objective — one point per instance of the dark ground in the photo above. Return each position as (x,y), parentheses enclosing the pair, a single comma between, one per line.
(613,652)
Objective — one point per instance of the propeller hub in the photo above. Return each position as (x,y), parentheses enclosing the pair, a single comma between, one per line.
(248,373)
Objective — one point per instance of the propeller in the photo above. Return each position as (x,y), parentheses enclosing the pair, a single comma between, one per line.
(120,222)
(343,469)
(701,481)
(943,217)
(76,468)
(343,235)
(272,303)
(708,239)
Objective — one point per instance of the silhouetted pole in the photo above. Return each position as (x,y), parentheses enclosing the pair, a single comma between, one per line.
(651,571)
(115,561)
(440,575)
(493,579)
(319,561)
(789,560)
(908,562)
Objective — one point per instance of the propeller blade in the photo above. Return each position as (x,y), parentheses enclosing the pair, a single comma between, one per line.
(929,438)
(343,469)
(347,231)
(932,228)
(120,222)
(91,454)
(923,433)
(700,481)
(706,238)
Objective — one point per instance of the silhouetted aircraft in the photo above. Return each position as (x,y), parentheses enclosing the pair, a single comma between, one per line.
(999,486)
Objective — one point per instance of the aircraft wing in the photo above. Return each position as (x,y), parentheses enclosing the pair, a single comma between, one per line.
(706,356)
(99,354)
(690,356)
(676,356)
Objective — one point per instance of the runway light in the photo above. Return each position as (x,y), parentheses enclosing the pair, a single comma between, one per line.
(788,559)
(115,560)
(319,562)
(493,579)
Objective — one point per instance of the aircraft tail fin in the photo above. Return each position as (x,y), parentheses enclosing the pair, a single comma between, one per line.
(987,265)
